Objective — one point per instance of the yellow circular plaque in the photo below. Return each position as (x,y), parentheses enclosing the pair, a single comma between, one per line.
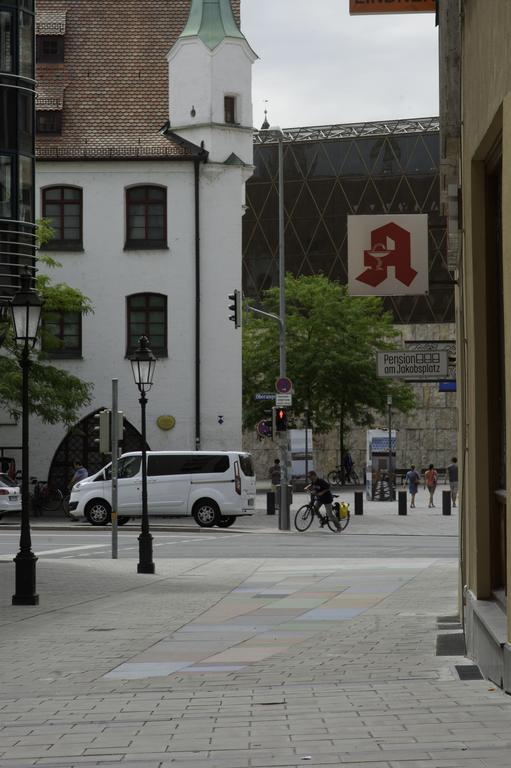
(166,422)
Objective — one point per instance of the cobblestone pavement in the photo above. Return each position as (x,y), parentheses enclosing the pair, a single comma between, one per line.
(379,517)
(242,663)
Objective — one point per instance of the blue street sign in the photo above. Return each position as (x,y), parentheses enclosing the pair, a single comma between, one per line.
(264,396)
(447,386)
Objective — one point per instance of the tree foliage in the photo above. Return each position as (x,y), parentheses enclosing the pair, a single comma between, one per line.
(55,395)
(331,341)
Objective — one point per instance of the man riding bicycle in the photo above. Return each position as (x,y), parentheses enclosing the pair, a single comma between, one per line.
(323,495)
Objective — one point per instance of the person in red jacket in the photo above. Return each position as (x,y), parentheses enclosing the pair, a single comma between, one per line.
(430,482)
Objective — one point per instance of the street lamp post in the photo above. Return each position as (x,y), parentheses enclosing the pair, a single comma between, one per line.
(391,483)
(143,363)
(25,309)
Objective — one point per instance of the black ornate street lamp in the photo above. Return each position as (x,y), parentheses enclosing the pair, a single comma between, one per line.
(143,363)
(26,307)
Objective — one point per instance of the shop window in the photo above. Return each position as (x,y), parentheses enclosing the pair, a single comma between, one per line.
(62,206)
(147,316)
(146,217)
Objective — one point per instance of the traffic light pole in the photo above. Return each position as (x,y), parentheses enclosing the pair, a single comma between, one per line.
(284,504)
(281,319)
(115,458)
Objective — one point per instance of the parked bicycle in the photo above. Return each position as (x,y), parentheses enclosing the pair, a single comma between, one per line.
(307,513)
(339,476)
(47,498)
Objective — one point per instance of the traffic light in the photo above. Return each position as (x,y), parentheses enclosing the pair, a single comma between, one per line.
(279,420)
(102,431)
(120,426)
(235,308)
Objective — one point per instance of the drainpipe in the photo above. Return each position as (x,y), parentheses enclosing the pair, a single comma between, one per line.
(201,157)
(196,166)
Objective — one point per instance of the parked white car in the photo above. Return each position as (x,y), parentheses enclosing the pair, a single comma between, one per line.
(10,495)
(214,487)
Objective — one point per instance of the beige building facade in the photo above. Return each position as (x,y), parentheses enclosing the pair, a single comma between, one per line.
(484,322)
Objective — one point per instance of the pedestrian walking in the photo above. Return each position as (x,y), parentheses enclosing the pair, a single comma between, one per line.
(452,479)
(274,475)
(348,466)
(320,489)
(79,473)
(412,480)
(430,482)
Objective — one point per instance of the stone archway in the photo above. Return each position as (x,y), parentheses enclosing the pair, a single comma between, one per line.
(79,444)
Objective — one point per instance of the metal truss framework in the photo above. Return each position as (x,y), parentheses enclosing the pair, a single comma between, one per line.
(352,130)
(331,172)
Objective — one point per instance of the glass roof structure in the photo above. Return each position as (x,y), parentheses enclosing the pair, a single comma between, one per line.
(333,171)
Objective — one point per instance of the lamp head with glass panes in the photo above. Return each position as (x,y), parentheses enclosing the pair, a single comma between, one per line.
(143,363)
(26,306)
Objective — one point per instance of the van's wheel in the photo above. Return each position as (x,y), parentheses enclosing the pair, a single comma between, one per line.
(122,520)
(98,512)
(206,513)
(226,521)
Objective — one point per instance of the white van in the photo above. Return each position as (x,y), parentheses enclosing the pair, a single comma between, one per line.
(214,487)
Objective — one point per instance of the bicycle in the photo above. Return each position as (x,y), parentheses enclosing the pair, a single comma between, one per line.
(339,476)
(306,514)
(46,498)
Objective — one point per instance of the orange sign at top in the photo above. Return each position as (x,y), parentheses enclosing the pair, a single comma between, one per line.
(392,6)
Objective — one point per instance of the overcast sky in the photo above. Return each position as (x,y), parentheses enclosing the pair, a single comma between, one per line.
(318,65)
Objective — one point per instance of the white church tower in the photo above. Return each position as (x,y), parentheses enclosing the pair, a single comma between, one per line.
(210,78)
(210,81)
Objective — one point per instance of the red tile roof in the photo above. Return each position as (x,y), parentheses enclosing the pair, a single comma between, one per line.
(114,81)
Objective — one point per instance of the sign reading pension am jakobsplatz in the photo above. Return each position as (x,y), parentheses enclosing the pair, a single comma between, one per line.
(401,364)
(392,6)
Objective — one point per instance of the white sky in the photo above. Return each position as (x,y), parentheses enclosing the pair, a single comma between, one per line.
(318,65)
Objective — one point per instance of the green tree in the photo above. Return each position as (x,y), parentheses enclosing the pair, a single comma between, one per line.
(331,341)
(56,396)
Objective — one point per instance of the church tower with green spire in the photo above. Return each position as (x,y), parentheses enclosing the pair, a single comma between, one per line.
(210,79)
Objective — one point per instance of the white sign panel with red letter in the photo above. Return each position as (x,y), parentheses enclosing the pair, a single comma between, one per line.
(388,255)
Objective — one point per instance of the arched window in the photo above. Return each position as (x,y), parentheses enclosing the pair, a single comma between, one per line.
(63,207)
(146,217)
(147,316)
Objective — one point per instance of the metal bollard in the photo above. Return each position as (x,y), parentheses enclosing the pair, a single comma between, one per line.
(359,502)
(446,502)
(270,503)
(401,503)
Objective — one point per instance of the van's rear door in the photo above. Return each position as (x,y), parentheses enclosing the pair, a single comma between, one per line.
(248,480)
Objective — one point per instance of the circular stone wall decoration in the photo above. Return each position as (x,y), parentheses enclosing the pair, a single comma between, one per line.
(166,422)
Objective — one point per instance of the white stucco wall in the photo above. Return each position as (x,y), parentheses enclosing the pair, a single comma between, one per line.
(200,78)
(106,273)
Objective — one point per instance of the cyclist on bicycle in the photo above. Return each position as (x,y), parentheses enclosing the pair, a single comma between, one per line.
(323,495)
(79,473)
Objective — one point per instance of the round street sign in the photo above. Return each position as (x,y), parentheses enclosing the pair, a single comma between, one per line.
(264,428)
(283,385)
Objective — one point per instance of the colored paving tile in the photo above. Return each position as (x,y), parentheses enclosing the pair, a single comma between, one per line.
(331,614)
(141,670)
(212,668)
(261,618)
(243,653)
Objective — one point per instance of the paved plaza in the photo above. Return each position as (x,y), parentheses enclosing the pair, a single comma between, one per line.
(247,662)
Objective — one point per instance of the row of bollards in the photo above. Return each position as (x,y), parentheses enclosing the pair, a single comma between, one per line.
(402,508)
(402,503)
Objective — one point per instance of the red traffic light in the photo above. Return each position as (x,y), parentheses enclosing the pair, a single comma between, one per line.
(281,419)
